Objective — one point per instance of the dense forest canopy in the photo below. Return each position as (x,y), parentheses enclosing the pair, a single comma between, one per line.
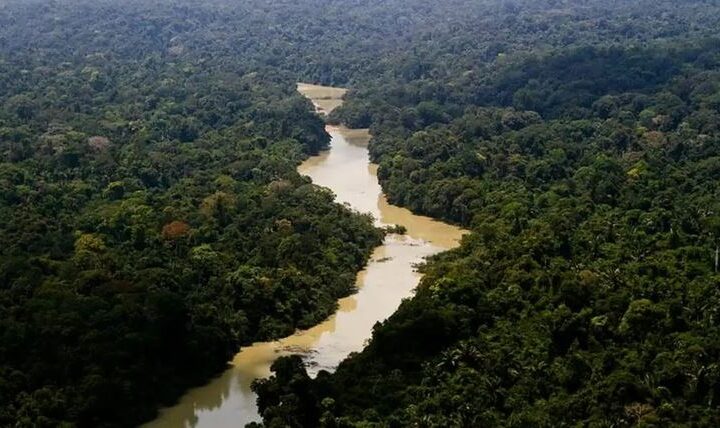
(587,294)
(153,218)
(154,221)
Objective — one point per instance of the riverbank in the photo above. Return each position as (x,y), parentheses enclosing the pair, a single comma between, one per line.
(389,277)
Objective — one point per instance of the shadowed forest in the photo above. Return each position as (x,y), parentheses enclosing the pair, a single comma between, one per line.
(153,220)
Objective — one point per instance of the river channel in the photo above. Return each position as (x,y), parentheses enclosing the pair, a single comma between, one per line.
(390,276)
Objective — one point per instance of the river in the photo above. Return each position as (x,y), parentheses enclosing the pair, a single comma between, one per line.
(389,277)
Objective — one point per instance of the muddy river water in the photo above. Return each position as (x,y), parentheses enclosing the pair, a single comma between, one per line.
(390,276)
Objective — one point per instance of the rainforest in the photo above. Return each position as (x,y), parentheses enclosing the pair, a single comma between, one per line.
(154,221)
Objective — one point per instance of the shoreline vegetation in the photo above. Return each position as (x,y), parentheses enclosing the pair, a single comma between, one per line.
(345,170)
(154,230)
(584,294)
(154,219)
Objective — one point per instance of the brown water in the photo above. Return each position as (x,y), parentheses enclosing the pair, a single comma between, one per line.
(390,276)
(325,98)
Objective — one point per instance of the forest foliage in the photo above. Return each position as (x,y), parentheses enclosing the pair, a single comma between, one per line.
(582,160)
(154,221)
